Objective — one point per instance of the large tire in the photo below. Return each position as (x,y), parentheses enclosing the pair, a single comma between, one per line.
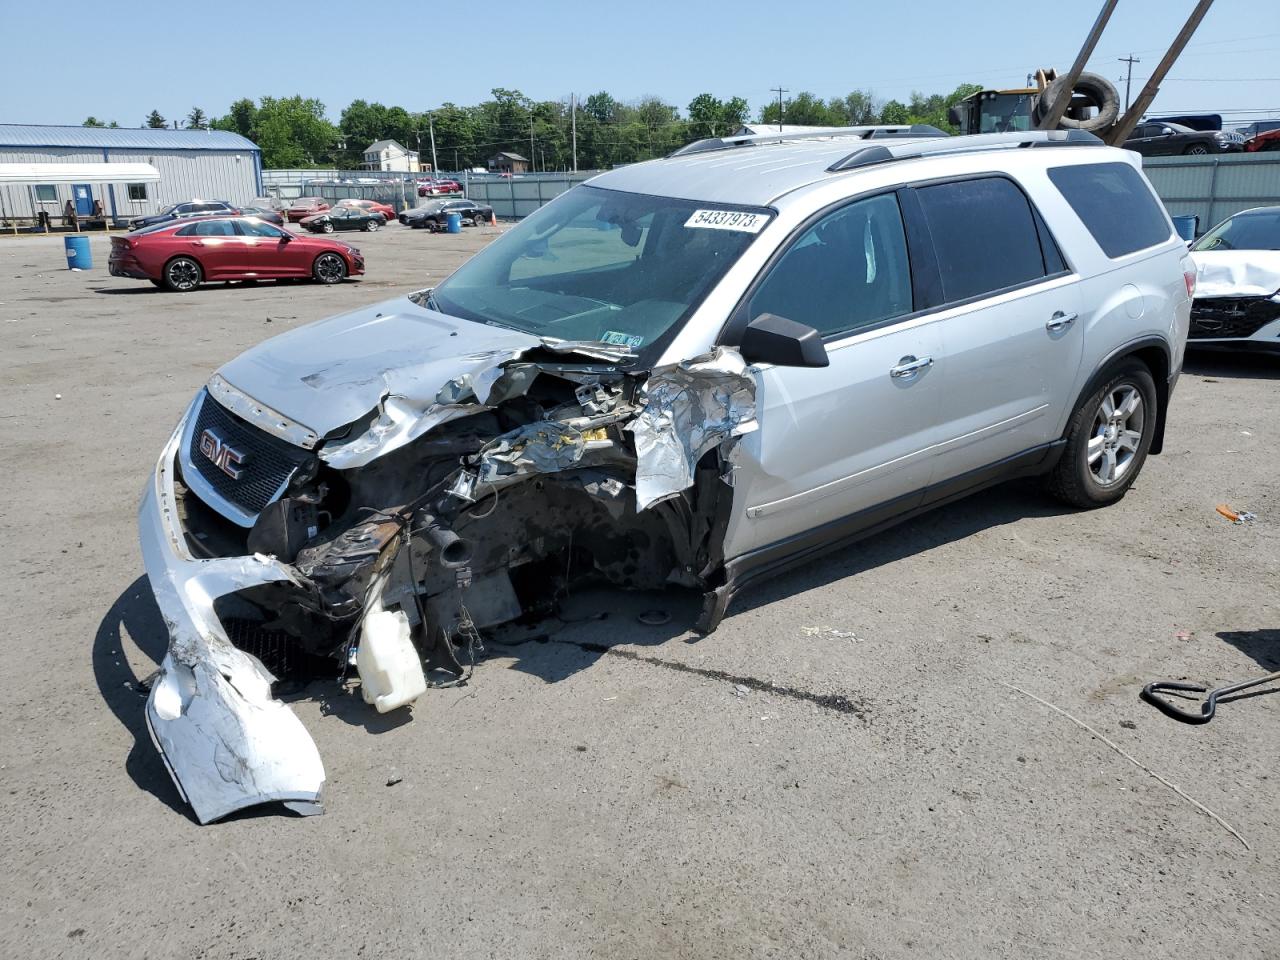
(182,274)
(1098,90)
(1108,437)
(1196,150)
(329,268)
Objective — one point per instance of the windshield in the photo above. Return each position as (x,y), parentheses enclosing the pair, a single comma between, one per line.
(620,268)
(1005,112)
(1245,231)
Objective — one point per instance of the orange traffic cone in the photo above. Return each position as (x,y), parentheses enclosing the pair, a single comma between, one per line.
(493,219)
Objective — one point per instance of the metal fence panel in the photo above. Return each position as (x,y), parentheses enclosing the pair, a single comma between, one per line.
(1216,186)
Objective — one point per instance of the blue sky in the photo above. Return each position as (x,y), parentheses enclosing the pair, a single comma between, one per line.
(172,55)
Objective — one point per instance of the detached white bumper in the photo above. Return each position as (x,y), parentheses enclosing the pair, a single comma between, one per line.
(228,744)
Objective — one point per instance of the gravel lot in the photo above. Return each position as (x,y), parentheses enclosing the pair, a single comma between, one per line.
(651,800)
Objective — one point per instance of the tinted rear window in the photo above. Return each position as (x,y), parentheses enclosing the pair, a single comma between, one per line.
(984,235)
(1115,205)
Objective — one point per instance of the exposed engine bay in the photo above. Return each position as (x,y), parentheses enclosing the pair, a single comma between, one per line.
(392,544)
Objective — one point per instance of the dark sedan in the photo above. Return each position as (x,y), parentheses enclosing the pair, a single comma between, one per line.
(263,213)
(181,211)
(345,218)
(435,215)
(1163,139)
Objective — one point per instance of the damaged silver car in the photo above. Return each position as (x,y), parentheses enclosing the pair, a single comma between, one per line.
(685,373)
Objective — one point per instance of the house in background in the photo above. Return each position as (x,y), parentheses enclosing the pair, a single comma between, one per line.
(390,155)
(508,163)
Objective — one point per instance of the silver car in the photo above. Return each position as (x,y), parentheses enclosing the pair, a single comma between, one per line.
(694,371)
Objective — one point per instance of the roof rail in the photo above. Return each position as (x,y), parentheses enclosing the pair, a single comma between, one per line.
(881,153)
(878,132)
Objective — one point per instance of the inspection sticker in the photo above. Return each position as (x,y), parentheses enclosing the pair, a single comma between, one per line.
(739,220)
(631,340)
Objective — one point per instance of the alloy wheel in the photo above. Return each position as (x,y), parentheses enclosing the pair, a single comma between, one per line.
(1198,150)
(330,268)
(1117,434)
(183,275)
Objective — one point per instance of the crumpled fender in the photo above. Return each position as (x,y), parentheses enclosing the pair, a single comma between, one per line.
(227,743)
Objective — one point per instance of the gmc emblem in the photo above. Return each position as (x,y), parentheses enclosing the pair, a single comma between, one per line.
(223,456)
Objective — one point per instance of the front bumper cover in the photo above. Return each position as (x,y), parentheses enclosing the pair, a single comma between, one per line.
(227,743)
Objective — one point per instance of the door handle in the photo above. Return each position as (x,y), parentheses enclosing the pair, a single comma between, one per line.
(1060,321)
(197,243)
(909,367)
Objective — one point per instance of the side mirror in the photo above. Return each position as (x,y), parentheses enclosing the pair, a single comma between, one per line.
(953,116)
(286,237)
(1166,132)
(782,342)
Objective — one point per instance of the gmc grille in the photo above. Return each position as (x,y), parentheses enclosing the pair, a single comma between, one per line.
(1220,318)
(268,463)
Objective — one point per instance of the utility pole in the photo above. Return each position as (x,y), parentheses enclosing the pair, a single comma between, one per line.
(431,128)
(533,157)
(1130,60)
(573,113)
(780,91)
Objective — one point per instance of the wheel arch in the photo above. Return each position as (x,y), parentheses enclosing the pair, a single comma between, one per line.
(164,267)
(1152,352)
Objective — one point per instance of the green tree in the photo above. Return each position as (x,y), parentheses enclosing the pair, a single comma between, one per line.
(92,122)
(712,117)
(895,112)
(241,118)
(196,119)
(155,121)
(855,109)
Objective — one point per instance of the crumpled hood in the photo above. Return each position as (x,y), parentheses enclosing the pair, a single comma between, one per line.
(330,373)
(1237,273)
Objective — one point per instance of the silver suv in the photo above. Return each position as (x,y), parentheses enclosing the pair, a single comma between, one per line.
(693,371)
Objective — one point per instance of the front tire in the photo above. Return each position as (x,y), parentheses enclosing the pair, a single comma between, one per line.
(329,268)
(1196,150)
(371,226)
(1108,437)
(182,274)
(327,228)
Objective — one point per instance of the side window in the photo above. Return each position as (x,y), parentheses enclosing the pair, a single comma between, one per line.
(984,236)
(214,228)
(1115,205)
(249,228)
(849,270)
(187,231)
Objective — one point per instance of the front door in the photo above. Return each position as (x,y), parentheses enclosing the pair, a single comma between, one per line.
(83,194)
(1014,340)
(853,437)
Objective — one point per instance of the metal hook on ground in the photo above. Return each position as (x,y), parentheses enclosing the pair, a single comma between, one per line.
(1210,704)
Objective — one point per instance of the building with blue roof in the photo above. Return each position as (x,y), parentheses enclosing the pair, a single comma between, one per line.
(193,164)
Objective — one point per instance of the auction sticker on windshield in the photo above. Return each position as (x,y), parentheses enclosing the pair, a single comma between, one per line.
(631,340)
(739,220)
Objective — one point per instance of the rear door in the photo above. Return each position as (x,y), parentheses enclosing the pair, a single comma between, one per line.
(851,438)
(1009,323)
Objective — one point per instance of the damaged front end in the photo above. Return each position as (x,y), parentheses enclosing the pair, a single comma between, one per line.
(471,495)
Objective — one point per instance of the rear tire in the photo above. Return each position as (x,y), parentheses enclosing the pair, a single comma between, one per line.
(182,274)
(371,226)
(329,268)
(1108,437)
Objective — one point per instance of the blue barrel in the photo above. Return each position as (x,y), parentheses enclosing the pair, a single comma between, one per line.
(1186,226)
(78,255)
(455,223)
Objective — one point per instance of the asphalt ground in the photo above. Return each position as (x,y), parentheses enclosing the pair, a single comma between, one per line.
(843,769)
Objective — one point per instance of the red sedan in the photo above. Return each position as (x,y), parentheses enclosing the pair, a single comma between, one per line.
(1263,142)
(180,256)
(435,188)
(373,206)
(305,207)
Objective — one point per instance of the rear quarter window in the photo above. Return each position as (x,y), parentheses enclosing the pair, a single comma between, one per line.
(1115,204)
